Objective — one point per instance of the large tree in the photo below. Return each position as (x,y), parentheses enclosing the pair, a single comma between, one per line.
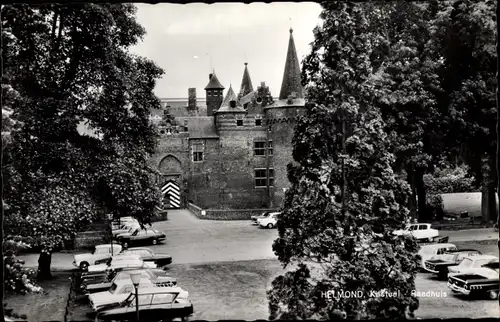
(465,33)
(68,68)
(345,198)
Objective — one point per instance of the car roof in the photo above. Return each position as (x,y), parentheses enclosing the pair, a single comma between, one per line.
(107,245)
(138,248)
(143,281)
(131,261)
(477,257)
(464,250)
(123,257)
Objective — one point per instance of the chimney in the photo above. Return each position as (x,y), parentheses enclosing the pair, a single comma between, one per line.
(210,76)
(192,98)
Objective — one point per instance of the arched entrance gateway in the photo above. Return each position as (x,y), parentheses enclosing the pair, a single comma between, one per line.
(170,182)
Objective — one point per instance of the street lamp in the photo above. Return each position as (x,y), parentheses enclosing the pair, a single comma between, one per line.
(110,218)
(136,278)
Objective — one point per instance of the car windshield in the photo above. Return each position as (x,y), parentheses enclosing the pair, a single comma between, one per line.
(113,288)
(466,263)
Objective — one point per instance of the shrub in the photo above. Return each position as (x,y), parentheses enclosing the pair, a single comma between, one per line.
(17,278)
(449,180)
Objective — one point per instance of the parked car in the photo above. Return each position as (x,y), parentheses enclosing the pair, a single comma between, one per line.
(156,276)
(126,228)
(270,221)
(98,252)
(108,274)
(439,264)
(477,282)
(426,252)
(155,304)
(111,261)
(420,231)
(118,292)
(111,274)
(471,262)
(148,255)
(116,224)
(255,217)
(141,236)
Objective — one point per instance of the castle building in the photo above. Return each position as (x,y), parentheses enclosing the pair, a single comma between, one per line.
(233,153)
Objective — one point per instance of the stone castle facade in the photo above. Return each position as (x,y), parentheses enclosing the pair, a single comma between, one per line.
(233,153)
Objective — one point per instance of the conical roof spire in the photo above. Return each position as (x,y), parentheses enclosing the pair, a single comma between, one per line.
(291,84)
(230,96)
(214,82)
(246,83)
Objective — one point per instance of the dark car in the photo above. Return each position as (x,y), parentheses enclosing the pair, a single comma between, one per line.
(477,282)
(156,276)
(103,281)
(145,254)
(144,236)
(155,304)
(439,264)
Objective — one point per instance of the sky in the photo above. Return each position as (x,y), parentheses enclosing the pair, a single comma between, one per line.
(190,40)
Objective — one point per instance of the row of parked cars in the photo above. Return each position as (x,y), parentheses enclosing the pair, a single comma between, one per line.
(128,232)
(467,271)
(108,285)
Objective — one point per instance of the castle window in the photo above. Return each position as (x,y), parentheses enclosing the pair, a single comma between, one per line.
(259,148)
(209,93)
(270,148)
(197,152)
(239,122)
(261,178)
(258,122)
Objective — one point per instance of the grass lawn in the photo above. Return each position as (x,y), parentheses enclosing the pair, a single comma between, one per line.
(47,306)
(237,290)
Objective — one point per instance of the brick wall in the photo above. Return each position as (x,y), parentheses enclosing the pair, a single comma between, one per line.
(226,214)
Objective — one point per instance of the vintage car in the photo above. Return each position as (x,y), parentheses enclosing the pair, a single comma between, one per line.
(269,221)
(255,217)
(148,255)
(420,231)
(155,304)
(141,236)
(115,224)
(98,252)
(111,274)
(439,264)
(118,292)
(126,228)
(477,282)
(428,251)
(120,265)
(110,262)
(156,276)
(471,262)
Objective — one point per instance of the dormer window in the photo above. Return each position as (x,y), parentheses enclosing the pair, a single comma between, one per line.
(258,122)
(232,104)
(239,122)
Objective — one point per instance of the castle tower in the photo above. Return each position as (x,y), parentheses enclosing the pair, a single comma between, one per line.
(246,85)
(280,122)
(213,94)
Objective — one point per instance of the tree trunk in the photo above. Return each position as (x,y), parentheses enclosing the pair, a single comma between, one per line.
(421,194)
(412,203)
(44,262)
(488,198)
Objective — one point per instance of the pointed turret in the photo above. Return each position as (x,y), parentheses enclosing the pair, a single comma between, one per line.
(291,85)
(214,93)
(230,103)
(246,83)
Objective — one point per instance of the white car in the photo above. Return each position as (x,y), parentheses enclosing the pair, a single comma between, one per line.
(112,261)
(429,251)
(257,217)
(120,264)
(269,221)
(126,228)
(98,253)
(471,263)
(420,231)
(118,292)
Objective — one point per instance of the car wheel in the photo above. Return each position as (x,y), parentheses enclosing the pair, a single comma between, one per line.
(270,225)
(492,295)
(429,240)
(155,241)
(84,265)
(125,245)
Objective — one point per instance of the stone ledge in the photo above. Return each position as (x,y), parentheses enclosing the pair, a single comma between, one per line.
(225,214)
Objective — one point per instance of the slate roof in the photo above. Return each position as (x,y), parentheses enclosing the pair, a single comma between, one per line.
(246,83)
(291,76)
(200,127)
(226,107)
(214,82)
